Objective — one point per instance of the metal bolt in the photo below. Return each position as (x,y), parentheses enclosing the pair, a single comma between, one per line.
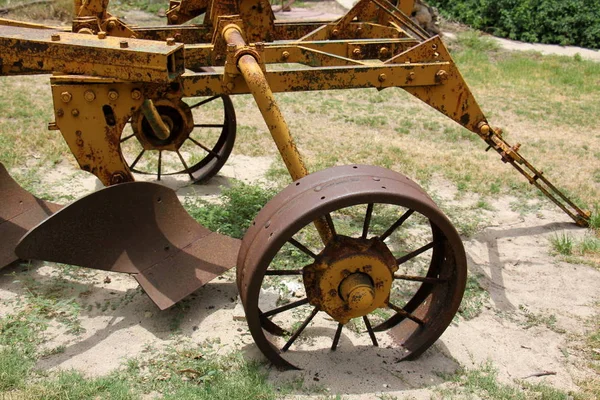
(60,112)
(123,44)
(441,76)
(231,48)
(118,177)
(75,112)
(230,86)
(333,293)
(66,97)
(55,37)
(111,25)
(89,95)
(170,41)
(52,126)
(113,95)
(101,35)
(484,128)
(219,58)
(411,76)
(174,17)
(383,52)
(136,94)
(356,52)
(335,32)
(285,55)
(208,37)
(382,77)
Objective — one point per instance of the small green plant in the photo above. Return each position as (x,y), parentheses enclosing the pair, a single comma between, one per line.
(562,243)
(239,205)
(473,298)
(533,319)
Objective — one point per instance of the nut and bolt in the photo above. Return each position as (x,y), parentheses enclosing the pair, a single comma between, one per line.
(384,52)
(75,112)
(441,76)
(111,25)
(123,44)
(411,76)
(170,41)
(136,94)
(335,32)
(55,37)
(113,95)
(231,48)
(60,112)
(230,86)
(89,95)
(174,17)
(382,77)
(285,55)
(101,35)
(356,52)
(484,128)
(66,97)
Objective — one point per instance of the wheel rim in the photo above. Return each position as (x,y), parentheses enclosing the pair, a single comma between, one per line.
(420,310)
(201,140)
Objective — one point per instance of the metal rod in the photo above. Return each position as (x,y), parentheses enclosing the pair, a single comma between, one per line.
(336,338)
(159,164)
(302,248)
(299,331)
(185,165)
(367,221)
(137,159)
(406,314)
(370,330)
(397,224)
(284,272)
(286,307)
(415,253)
(160,129)
(203,147)
(265,100)
(205,101)
(423,279)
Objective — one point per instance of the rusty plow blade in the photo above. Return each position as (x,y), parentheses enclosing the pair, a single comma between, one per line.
(137,228)
(19,212)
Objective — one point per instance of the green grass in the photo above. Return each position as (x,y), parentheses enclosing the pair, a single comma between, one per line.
(562,243)
(474,298)
(236,210)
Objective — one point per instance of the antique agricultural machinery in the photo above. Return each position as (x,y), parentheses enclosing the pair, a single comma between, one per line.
(368,242)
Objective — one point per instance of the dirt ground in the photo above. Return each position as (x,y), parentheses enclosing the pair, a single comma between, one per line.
(511,257)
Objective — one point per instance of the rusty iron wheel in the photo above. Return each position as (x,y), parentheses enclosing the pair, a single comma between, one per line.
(206,144)
(360,204)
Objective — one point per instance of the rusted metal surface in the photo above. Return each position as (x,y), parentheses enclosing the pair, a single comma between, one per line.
(136,228)
(433,305)
(26,51)
(19,212)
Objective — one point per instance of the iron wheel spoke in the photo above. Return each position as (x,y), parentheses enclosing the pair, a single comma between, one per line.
(185,165)
(285,307)
(159,164)
(396,224)
(127,137)
(278,272)
(300,330)
(405,314)
(413,254)
(302,248)
(370,330)
(336,338)
(208,125)
(367,221)
(204,101)
(203,147)
(423,279)
(330,225)
(137,159)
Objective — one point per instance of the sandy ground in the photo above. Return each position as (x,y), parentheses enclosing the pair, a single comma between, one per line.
(511,256)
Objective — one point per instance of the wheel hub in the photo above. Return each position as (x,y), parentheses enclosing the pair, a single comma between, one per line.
(176,115)
(350,278)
